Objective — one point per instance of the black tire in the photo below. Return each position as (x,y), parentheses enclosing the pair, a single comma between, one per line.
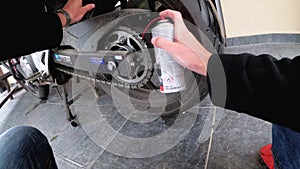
(196,84)
(38,91)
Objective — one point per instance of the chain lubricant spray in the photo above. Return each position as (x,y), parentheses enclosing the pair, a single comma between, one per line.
(171,73)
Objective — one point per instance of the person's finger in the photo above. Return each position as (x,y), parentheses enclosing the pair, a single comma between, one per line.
(175,15)
(170,13)
(171,47)
(162,43)
(177,18)
(88,7)
(176,50)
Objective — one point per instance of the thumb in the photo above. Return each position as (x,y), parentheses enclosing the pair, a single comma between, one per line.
(163,43)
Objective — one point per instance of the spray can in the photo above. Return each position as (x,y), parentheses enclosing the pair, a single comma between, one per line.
(171,73)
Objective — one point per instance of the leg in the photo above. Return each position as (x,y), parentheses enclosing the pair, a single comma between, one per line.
(285,147)
(27,148)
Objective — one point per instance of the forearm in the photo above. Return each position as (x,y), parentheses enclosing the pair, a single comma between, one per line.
(41,31)
(260,86)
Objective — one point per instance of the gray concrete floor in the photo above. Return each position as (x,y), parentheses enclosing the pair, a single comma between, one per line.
(110,137)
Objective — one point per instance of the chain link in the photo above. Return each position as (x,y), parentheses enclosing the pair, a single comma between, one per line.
(98,79)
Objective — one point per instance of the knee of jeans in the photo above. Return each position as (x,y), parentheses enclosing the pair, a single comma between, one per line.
(26,133)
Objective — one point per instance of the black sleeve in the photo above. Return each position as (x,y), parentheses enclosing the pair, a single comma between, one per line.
(26,32)
(260,86)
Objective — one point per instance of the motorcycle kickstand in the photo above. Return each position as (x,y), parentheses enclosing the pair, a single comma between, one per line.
(70,116)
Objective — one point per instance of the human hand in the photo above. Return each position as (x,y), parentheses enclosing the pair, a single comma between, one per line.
(186,49)
(75,10)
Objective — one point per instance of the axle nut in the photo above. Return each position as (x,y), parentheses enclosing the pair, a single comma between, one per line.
(111,65)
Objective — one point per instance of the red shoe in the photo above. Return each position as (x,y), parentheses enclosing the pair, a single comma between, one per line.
(266,156)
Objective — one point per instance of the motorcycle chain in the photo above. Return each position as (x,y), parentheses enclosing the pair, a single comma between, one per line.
(99,79)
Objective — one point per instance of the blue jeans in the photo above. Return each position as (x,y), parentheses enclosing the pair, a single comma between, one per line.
(27,148)
(285,147)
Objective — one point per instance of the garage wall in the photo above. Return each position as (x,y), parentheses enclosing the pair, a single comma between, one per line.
(255,17)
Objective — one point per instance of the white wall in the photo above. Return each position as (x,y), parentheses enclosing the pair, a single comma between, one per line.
(254,17)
